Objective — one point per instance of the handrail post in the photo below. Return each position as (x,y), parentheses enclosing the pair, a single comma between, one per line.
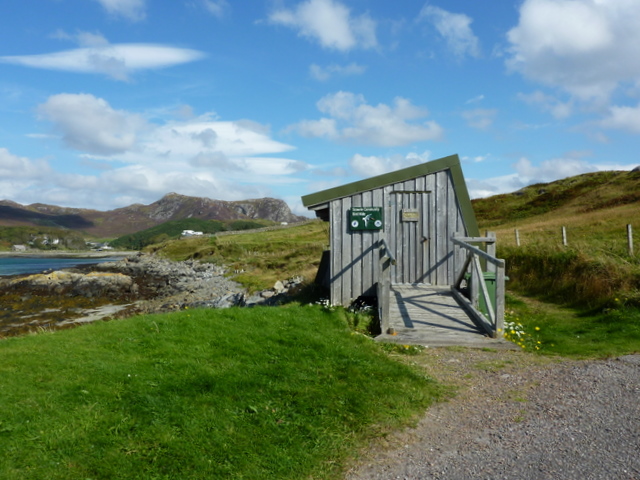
(493,320)
(385,260)
(500,302)
(474,282)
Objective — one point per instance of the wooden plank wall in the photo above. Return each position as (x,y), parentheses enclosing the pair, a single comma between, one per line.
(354,255)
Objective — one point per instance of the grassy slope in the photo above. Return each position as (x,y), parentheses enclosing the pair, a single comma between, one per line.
(242,393)
(595,275)
(595,208)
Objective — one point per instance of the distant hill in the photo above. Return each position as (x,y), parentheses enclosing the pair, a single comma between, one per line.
(137,217)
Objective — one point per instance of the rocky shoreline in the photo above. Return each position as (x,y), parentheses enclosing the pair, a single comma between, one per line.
(137,284)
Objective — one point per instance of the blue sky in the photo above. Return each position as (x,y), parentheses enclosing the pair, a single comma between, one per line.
(106,103)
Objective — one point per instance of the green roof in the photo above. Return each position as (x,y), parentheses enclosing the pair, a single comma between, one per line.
(451,163)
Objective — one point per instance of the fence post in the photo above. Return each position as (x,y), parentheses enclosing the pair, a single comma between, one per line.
(517,237)
(564,236)
(630,239)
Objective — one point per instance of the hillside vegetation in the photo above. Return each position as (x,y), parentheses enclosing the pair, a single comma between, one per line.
(42,238)
(173,230)
(595,268)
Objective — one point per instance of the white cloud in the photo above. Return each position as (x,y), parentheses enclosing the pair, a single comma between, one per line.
(548,103)
(325,127)
(185,139)
(372,165)
(455,28)
(133,10)
(138,184)
(476,159)
(351,119)
(585,47)
(325,73)
(21,176)
(330,23)
(14,167)
(480,118)
(623,118)
(89,124)
(82,38)
(476,99)
(216,7)
(117,61)
(493,186)
(217,160)
(140,161)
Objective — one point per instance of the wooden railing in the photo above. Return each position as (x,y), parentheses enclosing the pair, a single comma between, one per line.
(386,259)
(491,317)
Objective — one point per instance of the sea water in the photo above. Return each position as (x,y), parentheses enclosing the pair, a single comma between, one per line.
(23,265)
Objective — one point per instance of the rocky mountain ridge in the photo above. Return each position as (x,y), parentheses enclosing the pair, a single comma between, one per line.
(138,217)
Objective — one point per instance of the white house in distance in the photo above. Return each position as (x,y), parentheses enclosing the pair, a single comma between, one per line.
(191,233)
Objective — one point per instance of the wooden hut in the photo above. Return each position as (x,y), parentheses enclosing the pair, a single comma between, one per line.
(415,211)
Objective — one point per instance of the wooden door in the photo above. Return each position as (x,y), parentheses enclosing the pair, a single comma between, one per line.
(410,236)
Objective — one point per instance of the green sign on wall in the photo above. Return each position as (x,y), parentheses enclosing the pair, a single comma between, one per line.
(365,218)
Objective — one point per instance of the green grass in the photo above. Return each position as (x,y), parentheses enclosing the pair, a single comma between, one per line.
(556,330)
(262,393)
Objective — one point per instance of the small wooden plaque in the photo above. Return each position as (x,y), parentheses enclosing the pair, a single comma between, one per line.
(410,215)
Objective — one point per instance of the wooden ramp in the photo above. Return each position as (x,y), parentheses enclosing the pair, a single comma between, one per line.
(430,315)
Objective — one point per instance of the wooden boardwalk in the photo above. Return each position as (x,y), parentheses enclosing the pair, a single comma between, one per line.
(430,315)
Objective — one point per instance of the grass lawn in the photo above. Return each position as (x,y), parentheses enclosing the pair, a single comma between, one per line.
(282,393)
(556,330)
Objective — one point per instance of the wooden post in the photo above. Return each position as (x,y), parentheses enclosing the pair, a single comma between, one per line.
(474,281)
(630,239)
(456,254)
(500,301)
(517,237)
(491,250)
(385,260)
(564,236)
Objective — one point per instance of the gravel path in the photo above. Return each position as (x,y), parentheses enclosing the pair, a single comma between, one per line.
(519,416)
